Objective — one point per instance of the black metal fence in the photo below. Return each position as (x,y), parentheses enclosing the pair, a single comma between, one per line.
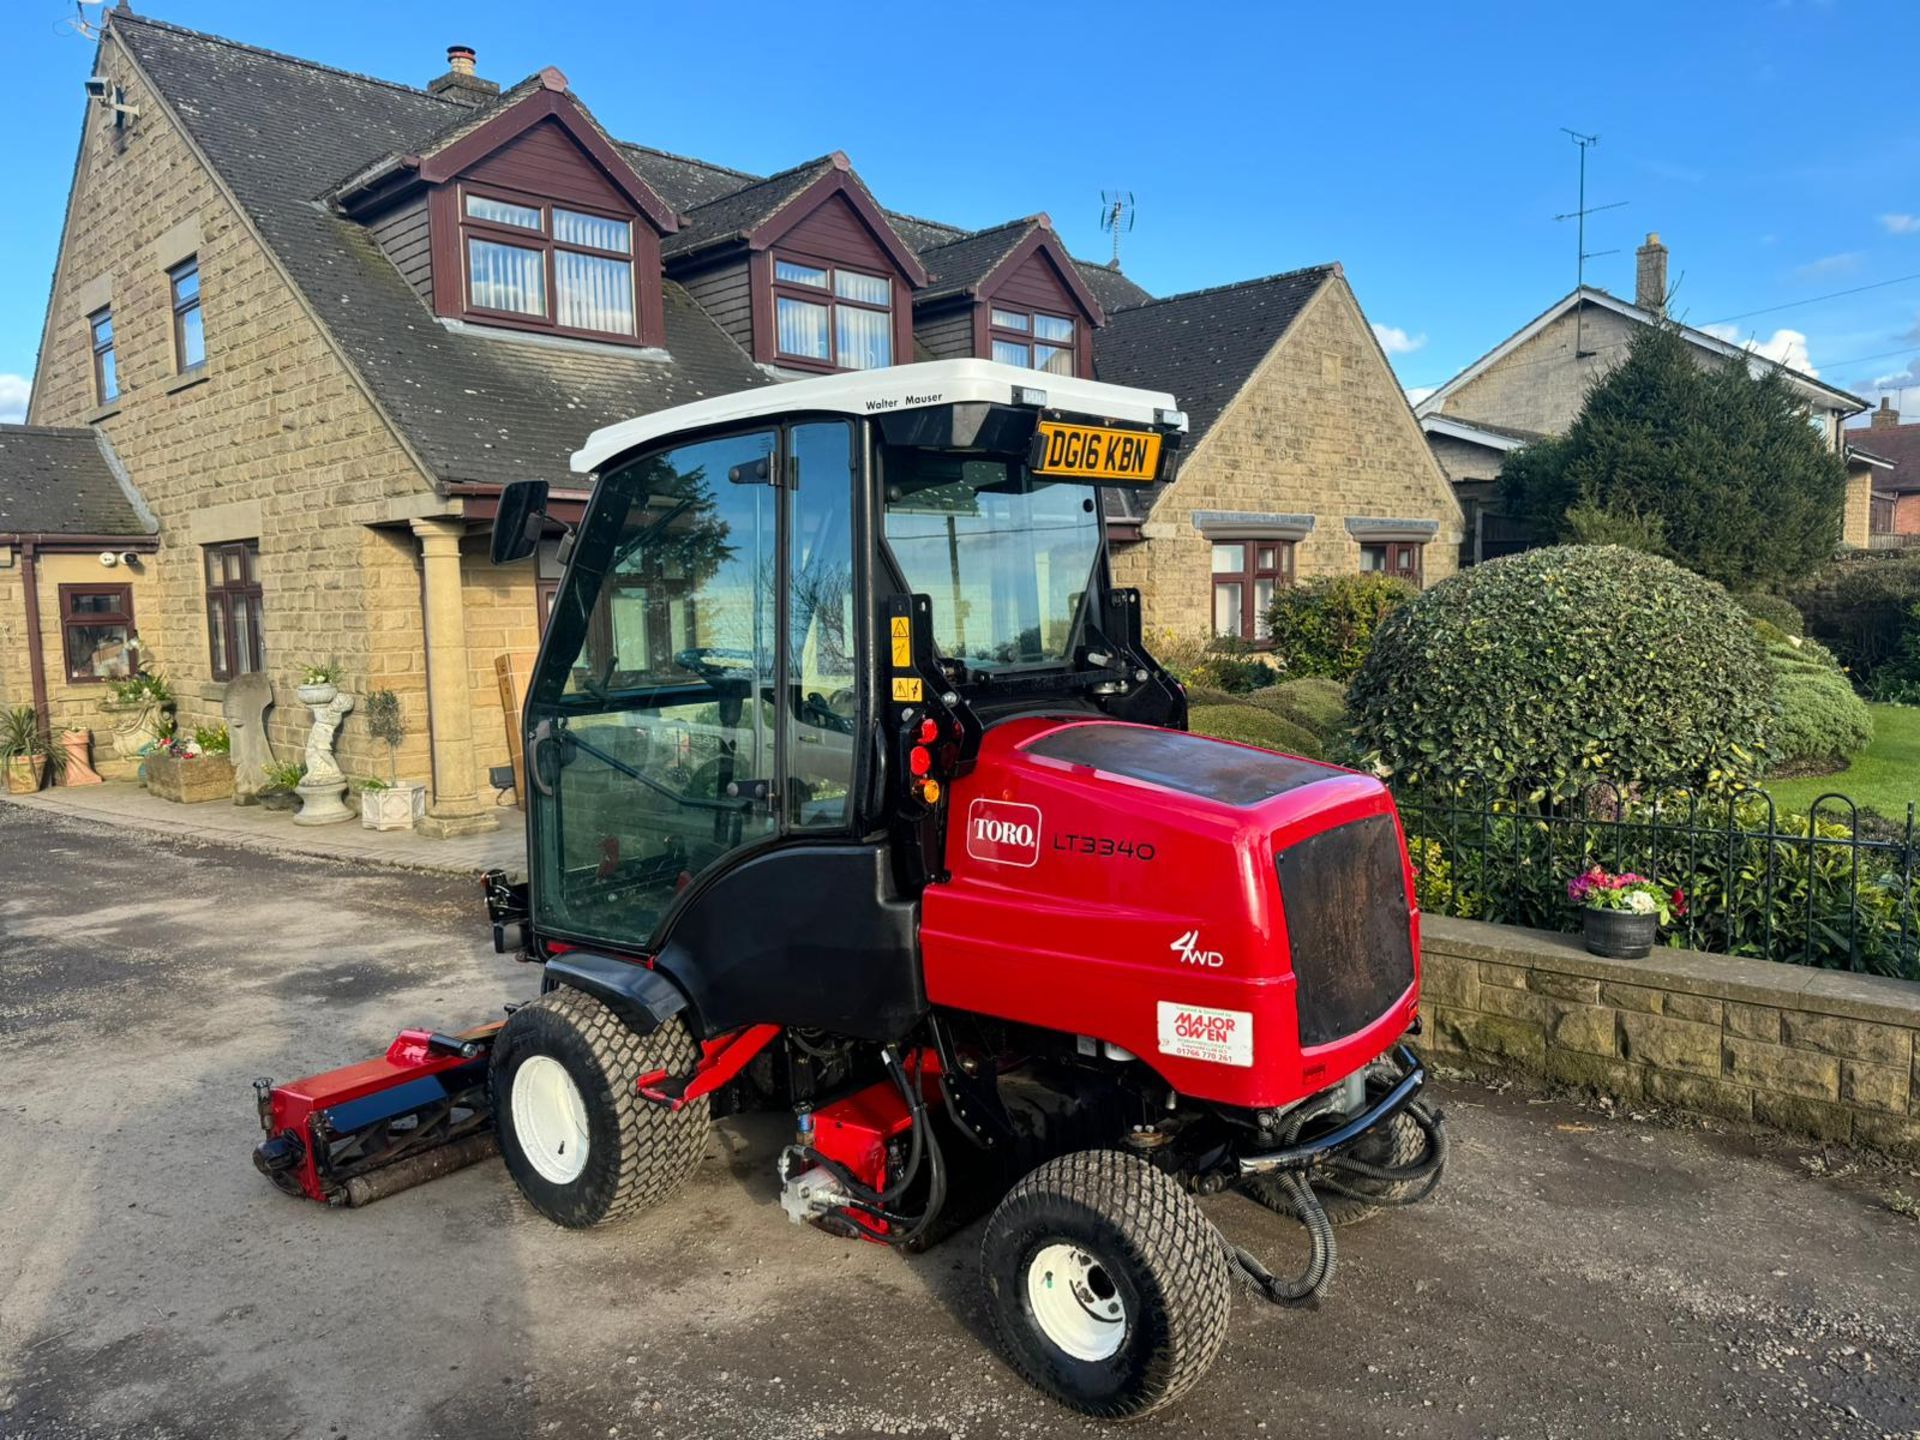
(1831,887)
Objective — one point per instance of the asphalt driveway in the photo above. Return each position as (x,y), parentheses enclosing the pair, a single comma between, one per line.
(1581,1274)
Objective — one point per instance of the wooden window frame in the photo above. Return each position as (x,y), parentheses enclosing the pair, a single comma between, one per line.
(1394,550)
(181,309)
(103,348)
(1281,573)
(543,241)
(123,616)
(1030,338)
(222,594)
(831,299)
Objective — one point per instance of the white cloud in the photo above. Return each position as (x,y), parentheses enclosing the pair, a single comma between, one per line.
(1900,224)
(1788,347)
(1396,341)
(1417,393)
(13,398)
(1828,266)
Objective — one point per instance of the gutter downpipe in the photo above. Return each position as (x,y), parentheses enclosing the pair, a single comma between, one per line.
(36,659)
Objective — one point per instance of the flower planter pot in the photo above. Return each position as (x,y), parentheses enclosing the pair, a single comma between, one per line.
(395,808)
(25,773)
(136,724)
(78,744)
(1621,934)
(321,694)
(190,782)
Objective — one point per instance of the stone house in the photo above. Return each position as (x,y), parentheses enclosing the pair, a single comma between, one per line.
(1533,384)
(1896,486)
(1302,458)
(311,322)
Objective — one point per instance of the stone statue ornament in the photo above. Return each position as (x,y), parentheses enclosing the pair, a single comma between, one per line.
(244,709)
(323,785)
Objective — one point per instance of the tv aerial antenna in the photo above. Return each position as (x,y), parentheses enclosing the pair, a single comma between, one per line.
(1116,218)
(1579,216)
(78,22)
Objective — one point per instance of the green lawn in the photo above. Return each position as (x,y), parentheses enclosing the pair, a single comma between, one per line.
(1884,777)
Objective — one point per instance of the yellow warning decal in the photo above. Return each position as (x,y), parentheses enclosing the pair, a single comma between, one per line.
(903,626)
(902,653)
(906,689)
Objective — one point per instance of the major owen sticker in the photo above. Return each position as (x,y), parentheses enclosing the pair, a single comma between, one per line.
(1193,1032)
(1003,833)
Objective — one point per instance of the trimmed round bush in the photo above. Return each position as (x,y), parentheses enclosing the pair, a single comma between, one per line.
(1776,610)
(1325,626)
(1253,725)
(1823,723)
(1549,670)
(1312,703)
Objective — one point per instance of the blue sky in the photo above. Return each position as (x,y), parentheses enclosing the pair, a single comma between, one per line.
(1420,145)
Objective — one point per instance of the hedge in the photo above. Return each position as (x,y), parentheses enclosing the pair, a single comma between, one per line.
(1326,626)
(1822,721)
(1776,610)
(1254,725)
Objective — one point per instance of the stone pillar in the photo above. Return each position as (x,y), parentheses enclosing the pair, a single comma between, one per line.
(454,806)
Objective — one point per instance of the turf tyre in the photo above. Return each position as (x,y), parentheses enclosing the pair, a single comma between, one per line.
(638,1152)
(1162,1256)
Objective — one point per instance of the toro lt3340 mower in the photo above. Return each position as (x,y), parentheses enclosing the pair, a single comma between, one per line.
(854,793)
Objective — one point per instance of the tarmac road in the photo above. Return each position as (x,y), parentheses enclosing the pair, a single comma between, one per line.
(1580,1274)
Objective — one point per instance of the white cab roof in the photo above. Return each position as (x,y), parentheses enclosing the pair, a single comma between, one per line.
(877,392)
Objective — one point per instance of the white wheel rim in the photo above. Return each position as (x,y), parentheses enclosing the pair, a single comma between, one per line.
(550,1119)
(1075,1303)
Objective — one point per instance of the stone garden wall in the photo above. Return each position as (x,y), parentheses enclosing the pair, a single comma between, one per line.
(1816,1052)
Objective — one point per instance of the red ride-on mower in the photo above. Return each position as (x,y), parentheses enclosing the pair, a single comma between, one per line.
(855,794)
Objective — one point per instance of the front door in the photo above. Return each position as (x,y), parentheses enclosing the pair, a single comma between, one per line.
(669,727)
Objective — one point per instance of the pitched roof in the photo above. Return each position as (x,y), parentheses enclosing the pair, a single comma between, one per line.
(56,481)
(476,406)
(746,209)
(956,266)
(1897,443)
(1590,295)
(1203,346)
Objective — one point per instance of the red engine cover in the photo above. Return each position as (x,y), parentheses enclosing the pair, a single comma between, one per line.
(1120,882)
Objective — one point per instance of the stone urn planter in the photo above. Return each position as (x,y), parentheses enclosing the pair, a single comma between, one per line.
(394,807)
(317,696)
(190,781)
(79,747)
(137,724)
(1621,934)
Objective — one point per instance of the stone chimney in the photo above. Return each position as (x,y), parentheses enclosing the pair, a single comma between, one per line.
(1886,417)
(460,84)
(1650,275)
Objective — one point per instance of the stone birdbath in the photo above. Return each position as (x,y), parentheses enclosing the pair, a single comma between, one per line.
(324,784)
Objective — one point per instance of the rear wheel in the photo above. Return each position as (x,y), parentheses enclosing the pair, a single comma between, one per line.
(1108,1288)
(576,1136)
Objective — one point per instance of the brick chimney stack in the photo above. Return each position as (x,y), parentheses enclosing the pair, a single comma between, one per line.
(1650,275)
(460,84)
(1886,417)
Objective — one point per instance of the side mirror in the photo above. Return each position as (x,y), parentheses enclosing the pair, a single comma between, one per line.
(518,521)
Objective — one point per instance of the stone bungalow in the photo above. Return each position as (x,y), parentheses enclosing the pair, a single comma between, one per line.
(1533,383)
(1896,487)
(305,324)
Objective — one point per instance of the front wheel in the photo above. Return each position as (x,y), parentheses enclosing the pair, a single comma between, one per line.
(576,1136)
(1108,1288)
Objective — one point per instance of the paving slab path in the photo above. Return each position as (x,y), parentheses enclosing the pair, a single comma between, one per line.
(1580,1274)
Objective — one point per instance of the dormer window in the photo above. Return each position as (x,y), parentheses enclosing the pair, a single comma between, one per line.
(529,262)
(831,316)
(1034,339)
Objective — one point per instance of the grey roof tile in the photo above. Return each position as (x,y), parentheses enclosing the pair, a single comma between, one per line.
(58,481)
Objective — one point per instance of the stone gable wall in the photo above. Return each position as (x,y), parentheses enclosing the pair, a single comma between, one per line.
(275,442)
(1322,428)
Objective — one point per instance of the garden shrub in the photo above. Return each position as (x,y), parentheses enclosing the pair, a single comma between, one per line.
(1254,725)
(1867,611)
(1776,610)
(1326,626)
(1822,721)
(1548,669)
(1236,671)
(1313,703)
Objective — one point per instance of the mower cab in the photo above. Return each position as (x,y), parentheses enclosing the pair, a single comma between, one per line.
(854,792)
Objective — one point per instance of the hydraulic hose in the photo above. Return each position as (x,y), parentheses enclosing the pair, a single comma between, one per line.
(1322,1255)
(922,1146)
(1428,1169)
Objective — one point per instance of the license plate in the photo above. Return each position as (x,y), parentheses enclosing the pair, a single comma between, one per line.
(1091,452)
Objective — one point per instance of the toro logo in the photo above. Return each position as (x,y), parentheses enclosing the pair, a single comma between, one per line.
(1187,947)
(1003,833)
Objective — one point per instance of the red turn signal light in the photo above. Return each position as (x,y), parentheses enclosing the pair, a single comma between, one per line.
(919,760)
(929,731)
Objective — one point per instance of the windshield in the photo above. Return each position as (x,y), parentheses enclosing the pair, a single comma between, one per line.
(1007,558)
